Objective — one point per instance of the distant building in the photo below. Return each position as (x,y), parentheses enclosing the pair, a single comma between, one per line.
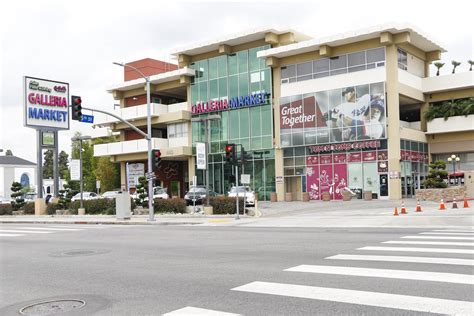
(13,169)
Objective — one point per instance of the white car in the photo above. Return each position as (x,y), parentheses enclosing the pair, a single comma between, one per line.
(158,193)
(85,196)
(110,194)
(5,200)
(243,191)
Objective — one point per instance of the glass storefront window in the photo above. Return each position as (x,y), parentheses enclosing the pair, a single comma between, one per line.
(222,65)
(213,68)
(244,123)
(233,65)
(243,61)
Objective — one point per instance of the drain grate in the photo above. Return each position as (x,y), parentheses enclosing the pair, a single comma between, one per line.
(52,307)
(79,252)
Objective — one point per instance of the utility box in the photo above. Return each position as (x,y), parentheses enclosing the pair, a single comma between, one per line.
(123,205)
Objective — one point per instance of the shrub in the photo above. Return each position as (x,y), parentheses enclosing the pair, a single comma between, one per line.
(29,208)
(225,205)
(6,209)
(175,205)
(436,176)
(96,206)
(52,207)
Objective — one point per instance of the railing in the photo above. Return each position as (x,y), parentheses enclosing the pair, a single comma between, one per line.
(129,147)
(452,124)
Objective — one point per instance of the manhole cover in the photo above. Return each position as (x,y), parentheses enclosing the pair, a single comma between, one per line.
(52,307)
(78,252)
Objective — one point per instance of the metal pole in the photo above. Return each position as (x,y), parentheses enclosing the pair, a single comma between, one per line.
(237,188)
(207,161)
(39,167)
(56,175)
(80,173)
(151,212)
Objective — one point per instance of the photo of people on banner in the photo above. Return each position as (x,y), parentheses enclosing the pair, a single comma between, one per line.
(339,115)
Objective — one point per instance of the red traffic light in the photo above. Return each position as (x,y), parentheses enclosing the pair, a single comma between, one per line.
(229,148)
(157,153)
(77,100)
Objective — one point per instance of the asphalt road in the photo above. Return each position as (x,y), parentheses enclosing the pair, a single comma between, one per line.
(152,270)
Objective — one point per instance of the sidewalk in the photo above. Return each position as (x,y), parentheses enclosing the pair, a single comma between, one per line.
(355,213)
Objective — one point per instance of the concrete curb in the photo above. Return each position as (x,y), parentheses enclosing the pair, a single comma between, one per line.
(101,222)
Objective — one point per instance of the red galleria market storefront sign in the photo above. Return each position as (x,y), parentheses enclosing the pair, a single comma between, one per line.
(251,100)
(369,144)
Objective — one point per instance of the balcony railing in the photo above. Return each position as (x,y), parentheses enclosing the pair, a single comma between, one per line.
(138,146)
(452,124)
(140,112)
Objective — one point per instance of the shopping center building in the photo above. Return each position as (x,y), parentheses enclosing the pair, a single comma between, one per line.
(314,115)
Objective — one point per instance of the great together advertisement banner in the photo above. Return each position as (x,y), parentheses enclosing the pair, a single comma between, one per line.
(339,115)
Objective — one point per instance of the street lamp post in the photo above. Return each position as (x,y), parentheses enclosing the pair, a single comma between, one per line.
(80,139)
(151,217)
(453,159)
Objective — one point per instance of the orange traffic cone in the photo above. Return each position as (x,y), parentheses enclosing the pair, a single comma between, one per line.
(396,212)
(418,206)
(466,205)
(441,205)
(403,210)
(455,205)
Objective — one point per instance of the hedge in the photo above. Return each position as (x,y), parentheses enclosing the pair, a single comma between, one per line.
(175,205)
(29,208)
(96,206)
(6,209)
(225,205)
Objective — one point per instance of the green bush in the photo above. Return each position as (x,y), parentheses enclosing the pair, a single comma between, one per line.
(29,208)
(96,206)
(175,205)
(225,205)
(6,209)
(52,207)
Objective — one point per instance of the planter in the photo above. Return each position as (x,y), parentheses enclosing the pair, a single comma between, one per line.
(447,194)
(305,197)
(346,196)
(368,195)
(208,210)
(273,197)
(326,196)
(288,197)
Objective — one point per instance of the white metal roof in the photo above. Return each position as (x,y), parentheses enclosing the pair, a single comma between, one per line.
(237,39)
(155,79)
(418,39)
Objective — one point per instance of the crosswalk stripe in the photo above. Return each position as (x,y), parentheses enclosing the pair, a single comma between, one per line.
(189,310)
(439,237)
(387,273)
(47,228)
(377,299)
(24,231)
(453,261)
(412,249)
(455,230)
(10,235)
(440,243)
(81,226)
(440,233)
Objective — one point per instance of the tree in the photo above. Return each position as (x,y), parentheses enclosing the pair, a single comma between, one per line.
(107,173)
(142,191)
(48,164)
(63,164)
(436,176)
(455,64)
(438,65)
(8,153)
(471,62)
(17,196)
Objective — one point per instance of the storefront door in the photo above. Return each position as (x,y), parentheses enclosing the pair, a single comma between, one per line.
(293,185)
(383,185)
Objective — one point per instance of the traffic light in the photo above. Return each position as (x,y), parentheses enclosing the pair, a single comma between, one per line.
(76,104)
(230,153)
(244,156)
(156,159)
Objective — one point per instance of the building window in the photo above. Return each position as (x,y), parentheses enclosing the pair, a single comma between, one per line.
(324,67)
(178,130)
(402,59)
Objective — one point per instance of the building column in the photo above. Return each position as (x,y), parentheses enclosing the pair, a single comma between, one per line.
(279,172)
(393,121)
(424,124)
(280,187)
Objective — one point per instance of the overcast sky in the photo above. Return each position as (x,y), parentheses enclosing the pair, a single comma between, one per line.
(76,41)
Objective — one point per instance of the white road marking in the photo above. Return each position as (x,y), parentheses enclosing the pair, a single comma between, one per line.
(455,230)
(454,261)
(47,228)
(387,273)
(439,237)
(74,226)
(189,310)
(413,249)
(440,243)
(402,302)
(24,231)
(455,234)
(10,235)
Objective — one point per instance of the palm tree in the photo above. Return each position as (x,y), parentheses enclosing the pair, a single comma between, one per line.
(471,62)
(438,65)
(455,64)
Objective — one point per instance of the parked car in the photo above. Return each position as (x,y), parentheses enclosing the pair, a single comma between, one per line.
(243,191)
(110,194)
(198,194)
(85,196)
(5,200)
(158,193)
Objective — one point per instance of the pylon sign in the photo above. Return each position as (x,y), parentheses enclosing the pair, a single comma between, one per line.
(46,104)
